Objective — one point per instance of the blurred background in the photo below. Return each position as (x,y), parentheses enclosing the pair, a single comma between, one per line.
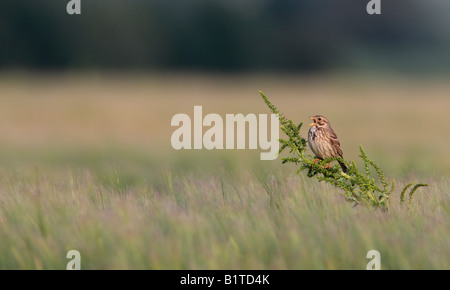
(226,35)
(99,89)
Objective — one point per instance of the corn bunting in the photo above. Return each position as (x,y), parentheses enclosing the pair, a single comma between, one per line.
(323,141)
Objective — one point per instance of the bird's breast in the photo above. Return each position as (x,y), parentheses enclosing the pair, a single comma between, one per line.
(318,143)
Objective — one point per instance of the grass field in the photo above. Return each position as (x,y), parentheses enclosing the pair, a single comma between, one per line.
(86,164)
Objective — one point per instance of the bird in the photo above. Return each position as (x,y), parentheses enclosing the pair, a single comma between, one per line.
(323,141)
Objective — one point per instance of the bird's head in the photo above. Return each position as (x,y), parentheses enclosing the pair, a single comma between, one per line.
(319,121)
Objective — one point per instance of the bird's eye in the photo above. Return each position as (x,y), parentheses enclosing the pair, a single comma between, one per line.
(320,119)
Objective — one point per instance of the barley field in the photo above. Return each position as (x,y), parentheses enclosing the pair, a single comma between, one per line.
(86,164)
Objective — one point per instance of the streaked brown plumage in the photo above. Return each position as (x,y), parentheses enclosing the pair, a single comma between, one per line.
(323,141)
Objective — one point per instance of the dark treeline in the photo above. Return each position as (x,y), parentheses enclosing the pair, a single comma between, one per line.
(232,35)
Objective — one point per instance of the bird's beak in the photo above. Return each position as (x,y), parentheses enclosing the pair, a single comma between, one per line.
(312,124)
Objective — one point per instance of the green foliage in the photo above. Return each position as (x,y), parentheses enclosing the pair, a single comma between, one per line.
(356,186)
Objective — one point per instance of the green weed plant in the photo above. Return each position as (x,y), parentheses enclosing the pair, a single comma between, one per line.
(359,187)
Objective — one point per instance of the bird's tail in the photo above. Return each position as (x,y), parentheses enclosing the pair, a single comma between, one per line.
(343,166)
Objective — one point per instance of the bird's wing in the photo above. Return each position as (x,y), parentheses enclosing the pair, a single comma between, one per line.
(335,143)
